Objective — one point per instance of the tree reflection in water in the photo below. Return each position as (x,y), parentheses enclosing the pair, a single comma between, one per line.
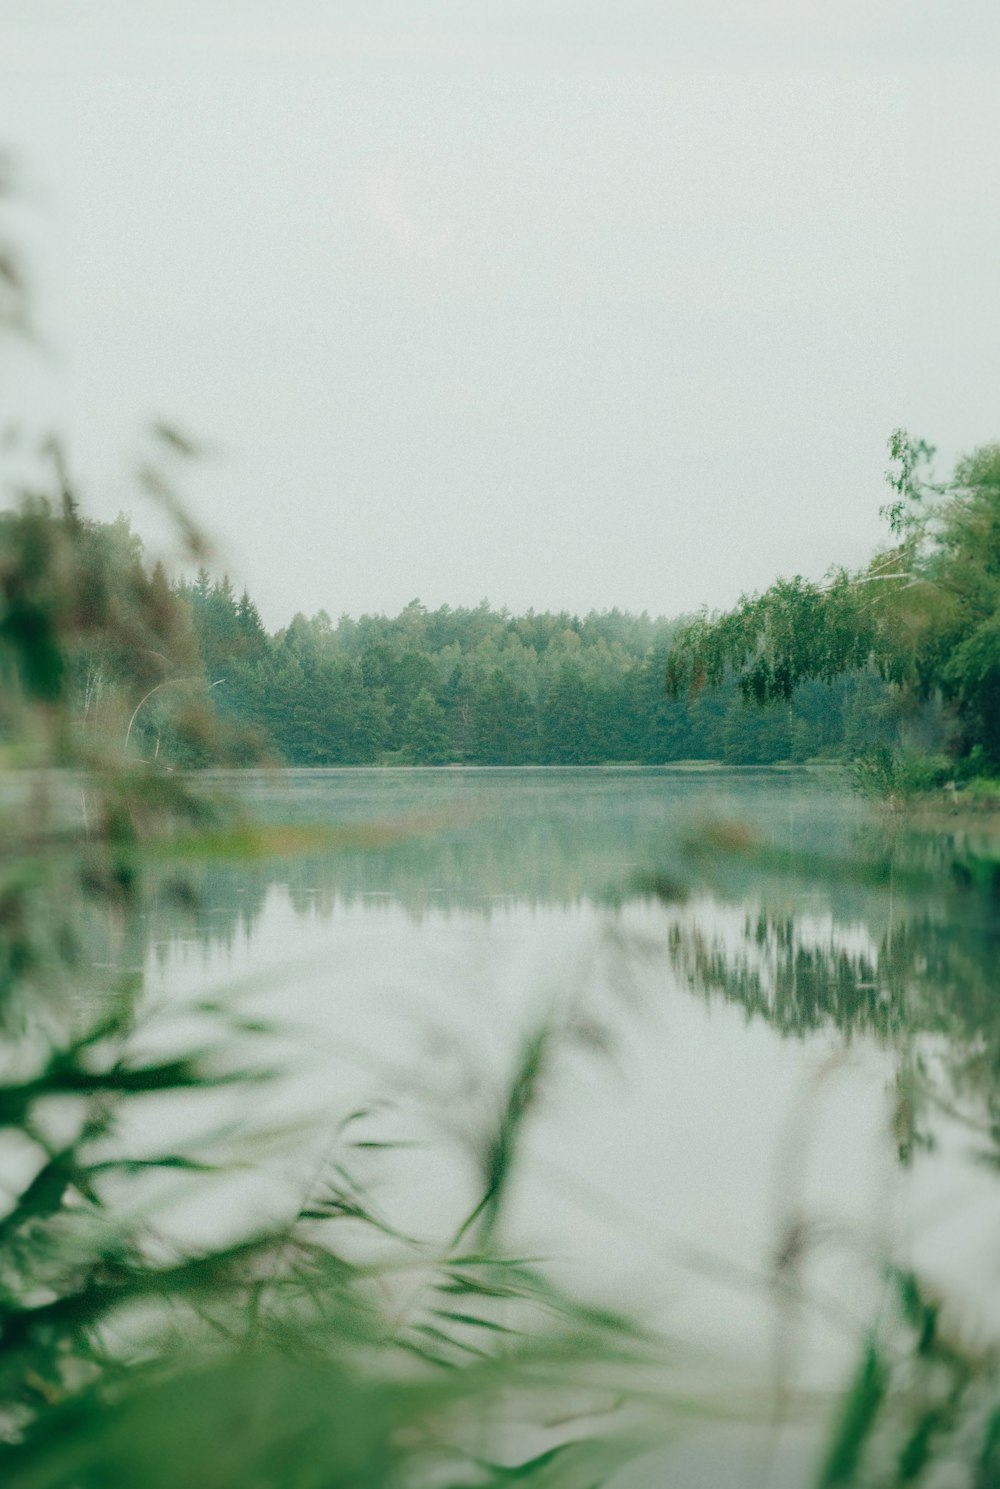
(897,942)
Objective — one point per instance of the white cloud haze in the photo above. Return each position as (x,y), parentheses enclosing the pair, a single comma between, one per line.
(563,304)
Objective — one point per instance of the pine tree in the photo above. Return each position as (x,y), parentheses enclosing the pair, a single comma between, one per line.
(425,731)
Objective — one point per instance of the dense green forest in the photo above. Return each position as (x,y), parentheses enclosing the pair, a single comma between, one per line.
(478,686)
(898,657)
(486,687)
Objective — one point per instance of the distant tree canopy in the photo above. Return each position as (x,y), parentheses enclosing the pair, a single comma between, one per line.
(482,686)
(924,614)
(159,665)
(905,650)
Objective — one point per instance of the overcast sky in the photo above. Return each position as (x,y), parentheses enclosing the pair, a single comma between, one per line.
(561,303)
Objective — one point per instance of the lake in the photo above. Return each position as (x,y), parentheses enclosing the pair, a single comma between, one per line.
(770,1017)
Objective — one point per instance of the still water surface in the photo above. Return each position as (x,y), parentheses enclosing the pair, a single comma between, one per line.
(752,974)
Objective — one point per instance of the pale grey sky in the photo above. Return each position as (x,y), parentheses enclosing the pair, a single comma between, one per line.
(563,303)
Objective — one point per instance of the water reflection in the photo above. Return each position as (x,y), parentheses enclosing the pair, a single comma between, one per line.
(476,840)
(772,894)
(767,1006)
(868,929)
(898,941)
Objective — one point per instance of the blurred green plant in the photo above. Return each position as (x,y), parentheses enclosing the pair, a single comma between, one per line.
(893,776)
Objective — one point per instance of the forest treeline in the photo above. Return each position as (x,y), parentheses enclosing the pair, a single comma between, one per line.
(425,687)
(897,663)
(482,686)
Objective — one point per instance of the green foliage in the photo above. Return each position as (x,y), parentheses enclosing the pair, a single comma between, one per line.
(886,774)
(492,688)
(859,1414)
(925,612)
(81,619)
(425,734)
(503,690)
